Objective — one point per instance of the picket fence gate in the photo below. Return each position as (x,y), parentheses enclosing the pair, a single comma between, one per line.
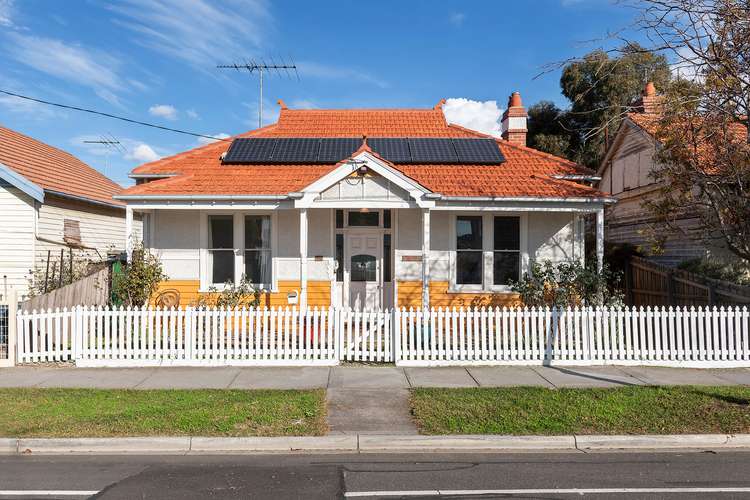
(103,336)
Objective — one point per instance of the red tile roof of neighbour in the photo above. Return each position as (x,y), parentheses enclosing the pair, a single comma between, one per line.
(53,169)
(525,173)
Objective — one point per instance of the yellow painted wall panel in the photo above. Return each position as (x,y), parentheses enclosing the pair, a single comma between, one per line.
(318,292)
(410,295)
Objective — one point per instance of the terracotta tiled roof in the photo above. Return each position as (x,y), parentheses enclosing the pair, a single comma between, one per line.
(526,172)
(649,122)
(53,169)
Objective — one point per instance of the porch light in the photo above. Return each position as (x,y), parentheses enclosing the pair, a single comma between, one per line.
(362,171)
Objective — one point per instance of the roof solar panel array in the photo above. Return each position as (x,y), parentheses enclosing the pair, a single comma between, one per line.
(263,150)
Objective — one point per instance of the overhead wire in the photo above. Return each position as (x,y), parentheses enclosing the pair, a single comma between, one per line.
(110,115)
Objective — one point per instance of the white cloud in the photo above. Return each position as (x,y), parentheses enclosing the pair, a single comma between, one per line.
(205,140)
(163,111)
(323,71)
(457,18)
(191,113)
(199,31)
(6,13)
(143,153)
(74,63)
(482,116)
(303,104)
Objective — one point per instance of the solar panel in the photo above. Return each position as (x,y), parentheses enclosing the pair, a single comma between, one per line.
(392,149)
(332,150)
(296,151)
(253,150)
(335,150)
(431,150)
(480,151)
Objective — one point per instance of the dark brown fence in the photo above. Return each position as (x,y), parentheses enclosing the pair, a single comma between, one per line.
(648,283)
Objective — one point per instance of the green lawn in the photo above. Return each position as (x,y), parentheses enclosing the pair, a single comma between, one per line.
(91,412)
(626,410)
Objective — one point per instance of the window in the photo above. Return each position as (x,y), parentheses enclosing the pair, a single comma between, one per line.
(221,248)
(370,219)
(340,257)
(506,256)
(364,268)
(71,232)
(258,249)
(387,258)
(387,219)
(469,250)
(339,219)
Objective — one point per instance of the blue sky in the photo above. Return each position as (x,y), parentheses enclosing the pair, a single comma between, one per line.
(155,61)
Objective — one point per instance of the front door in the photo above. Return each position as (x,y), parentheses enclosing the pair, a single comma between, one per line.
(363,269)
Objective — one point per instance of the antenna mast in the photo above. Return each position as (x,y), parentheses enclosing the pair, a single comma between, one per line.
(109,142)
(259,67)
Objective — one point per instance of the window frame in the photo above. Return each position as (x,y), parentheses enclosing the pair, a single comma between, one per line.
(268,249)
(238,220)
(488,237)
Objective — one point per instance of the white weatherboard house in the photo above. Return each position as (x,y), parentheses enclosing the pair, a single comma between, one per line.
(365,209)
(52,201)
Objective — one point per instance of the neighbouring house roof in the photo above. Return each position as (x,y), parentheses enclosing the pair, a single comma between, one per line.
(54,170)
(525,173)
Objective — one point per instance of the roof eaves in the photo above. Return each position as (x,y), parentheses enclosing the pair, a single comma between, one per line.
(19,181)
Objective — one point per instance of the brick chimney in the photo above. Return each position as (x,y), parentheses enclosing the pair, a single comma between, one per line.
(650,102)
(513,124)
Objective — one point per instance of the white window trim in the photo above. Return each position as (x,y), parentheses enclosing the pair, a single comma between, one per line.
(238,219)
(488,228)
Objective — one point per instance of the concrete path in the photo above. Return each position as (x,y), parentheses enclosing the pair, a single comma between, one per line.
(363,377)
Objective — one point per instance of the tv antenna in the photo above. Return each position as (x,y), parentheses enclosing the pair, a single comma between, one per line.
(110,144)
(259,67)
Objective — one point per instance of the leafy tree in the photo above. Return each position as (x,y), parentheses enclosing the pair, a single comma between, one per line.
(601,90)
(139,280)
(568,284)
(547,129)
(704,155)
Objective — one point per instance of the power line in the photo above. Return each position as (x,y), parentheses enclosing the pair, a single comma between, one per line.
(109,115)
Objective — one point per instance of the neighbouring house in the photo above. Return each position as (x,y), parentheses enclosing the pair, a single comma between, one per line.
(52,201)
(625,174)
(364,208)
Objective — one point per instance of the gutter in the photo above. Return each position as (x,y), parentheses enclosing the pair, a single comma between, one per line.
(84,199)
(204,197)
(528,199)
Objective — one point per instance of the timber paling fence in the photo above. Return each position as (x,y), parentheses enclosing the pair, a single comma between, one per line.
(667,336)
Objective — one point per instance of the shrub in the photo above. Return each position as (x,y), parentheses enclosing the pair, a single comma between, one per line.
(569,284)
(735,272)
(243,294)
(140,279)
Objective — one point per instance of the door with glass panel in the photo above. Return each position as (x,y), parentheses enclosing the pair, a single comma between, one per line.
(363,266)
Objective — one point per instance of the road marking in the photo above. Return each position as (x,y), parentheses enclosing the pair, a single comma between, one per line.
(551,491)
(47,493)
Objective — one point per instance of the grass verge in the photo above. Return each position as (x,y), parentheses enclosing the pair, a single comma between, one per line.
(626,410)
(102,413)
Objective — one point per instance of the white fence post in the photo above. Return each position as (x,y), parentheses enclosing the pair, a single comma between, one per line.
(11,349)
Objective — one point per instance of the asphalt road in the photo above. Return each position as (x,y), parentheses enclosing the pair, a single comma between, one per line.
(549,476)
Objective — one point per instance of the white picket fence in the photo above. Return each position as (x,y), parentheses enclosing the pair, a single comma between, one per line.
(695,337)
(716,337)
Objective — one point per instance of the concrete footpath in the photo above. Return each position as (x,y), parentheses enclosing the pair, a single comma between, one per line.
(369,377)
